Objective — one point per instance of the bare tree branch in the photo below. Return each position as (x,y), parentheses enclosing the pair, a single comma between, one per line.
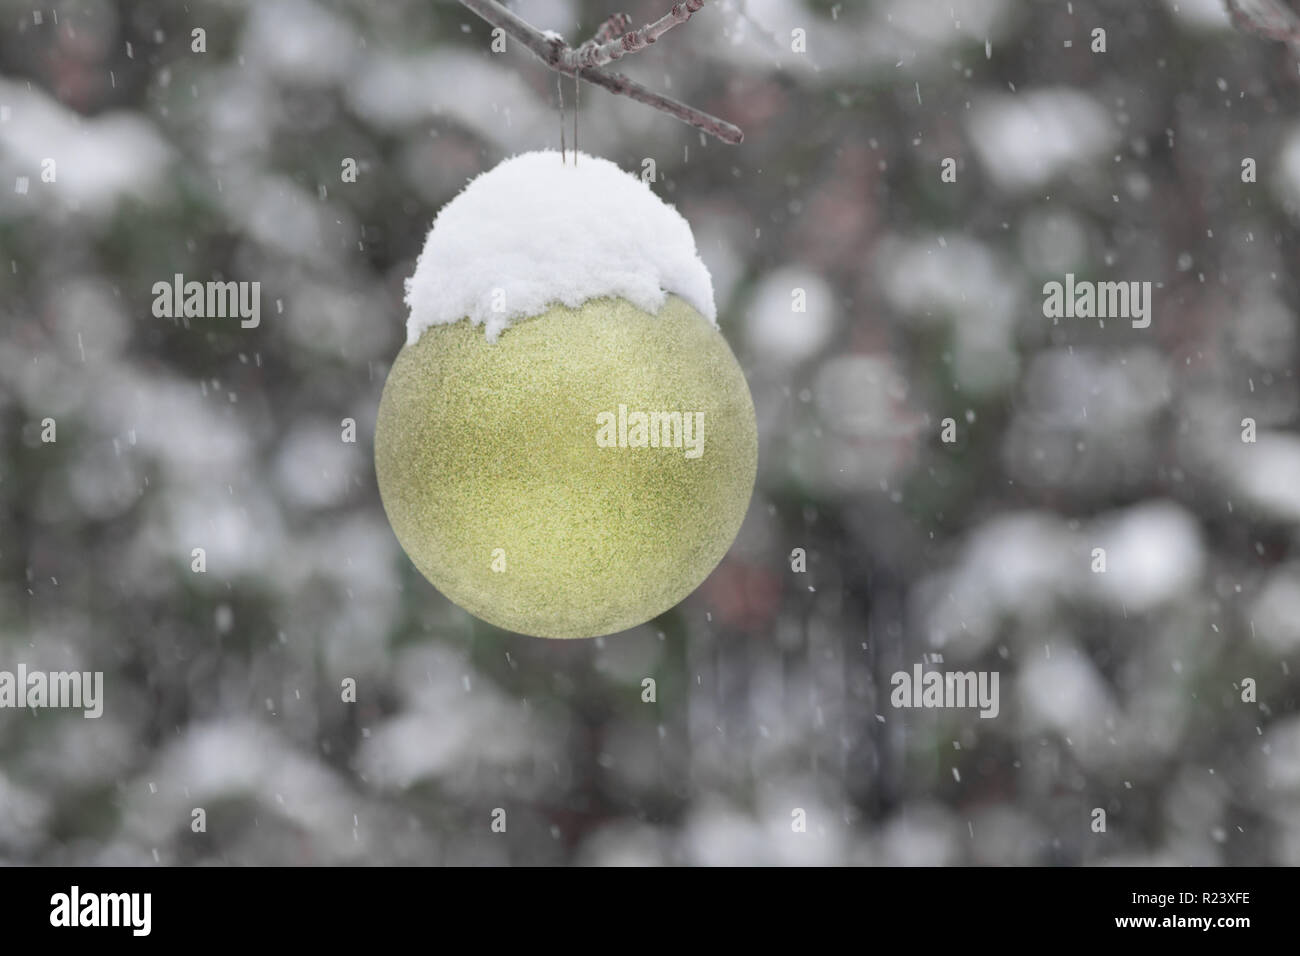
(594,54)
(625,86)
(1271,19)
(552,50)
(612,28)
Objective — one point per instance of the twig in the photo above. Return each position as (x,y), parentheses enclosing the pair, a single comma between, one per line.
(552,50)
(600,53)
(625,86)
(1271,19)
(615,26)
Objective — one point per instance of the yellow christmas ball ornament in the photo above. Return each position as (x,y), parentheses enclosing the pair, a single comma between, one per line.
(566,446)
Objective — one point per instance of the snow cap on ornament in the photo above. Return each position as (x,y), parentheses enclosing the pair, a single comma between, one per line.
(536,231)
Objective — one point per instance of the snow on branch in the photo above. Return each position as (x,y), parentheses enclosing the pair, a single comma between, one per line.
(1272,19)
(611,42)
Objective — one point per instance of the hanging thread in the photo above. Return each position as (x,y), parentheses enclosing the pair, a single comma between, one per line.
(559,93)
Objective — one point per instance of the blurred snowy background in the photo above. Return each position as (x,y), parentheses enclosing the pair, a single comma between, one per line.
(1120,690)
